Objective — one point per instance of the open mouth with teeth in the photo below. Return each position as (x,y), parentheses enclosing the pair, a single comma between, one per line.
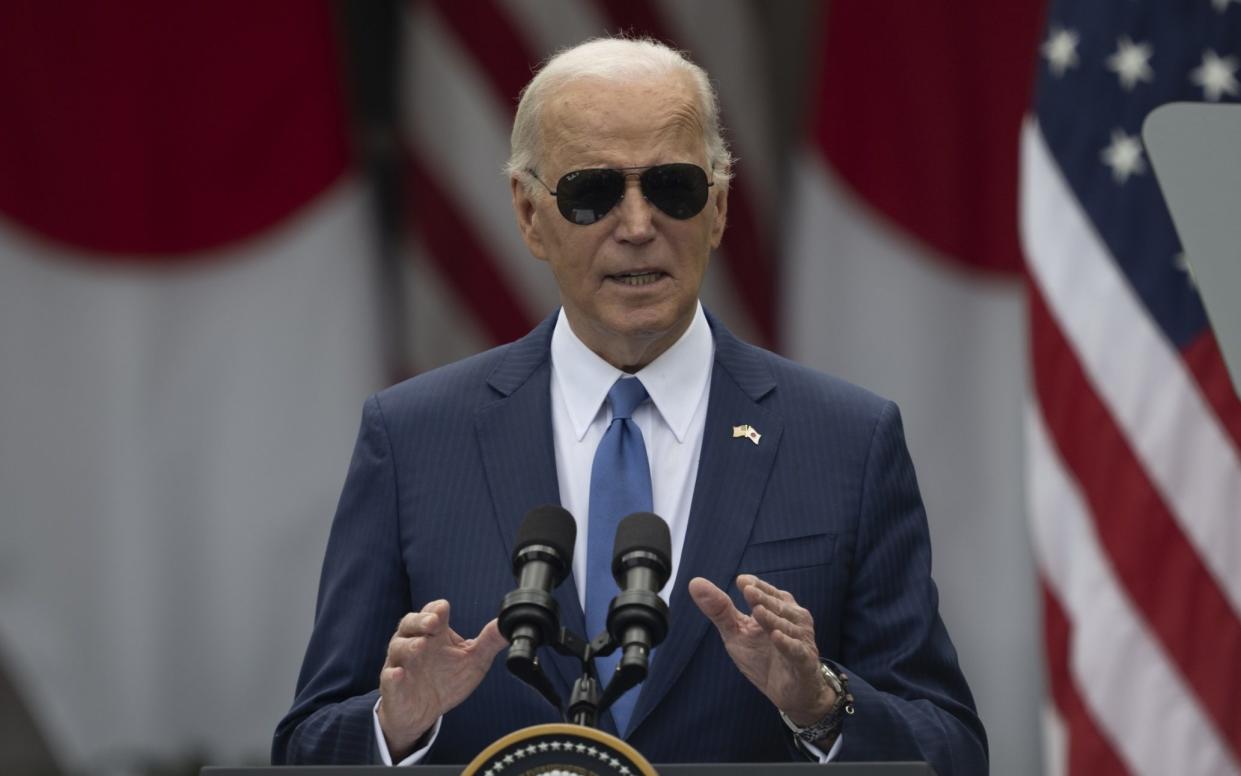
(644,278)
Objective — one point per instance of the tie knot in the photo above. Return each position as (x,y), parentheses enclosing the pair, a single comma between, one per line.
(625,396)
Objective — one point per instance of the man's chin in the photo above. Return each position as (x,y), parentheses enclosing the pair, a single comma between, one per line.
(642,324)
(637,339)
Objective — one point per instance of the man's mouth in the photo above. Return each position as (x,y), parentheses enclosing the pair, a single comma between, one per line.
(641,278)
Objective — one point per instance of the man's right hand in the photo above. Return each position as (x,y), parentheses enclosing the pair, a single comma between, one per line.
(430,669)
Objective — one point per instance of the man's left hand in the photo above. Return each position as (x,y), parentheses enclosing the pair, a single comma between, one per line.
(773,646)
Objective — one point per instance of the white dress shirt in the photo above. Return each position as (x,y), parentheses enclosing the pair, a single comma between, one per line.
(672,422)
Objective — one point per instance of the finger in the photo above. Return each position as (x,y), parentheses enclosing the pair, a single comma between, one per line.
(394,647)
(715,604)
(766,587)
(407,632)
(754,596)
(407,651)
(753,592)
(425,622)
(772,622)
(389,678)
(422,623)
(393,684)
(784,605)
(441,609)
(438,606)
(787,609)
(796,650)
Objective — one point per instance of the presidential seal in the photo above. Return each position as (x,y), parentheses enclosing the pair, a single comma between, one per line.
(559,750)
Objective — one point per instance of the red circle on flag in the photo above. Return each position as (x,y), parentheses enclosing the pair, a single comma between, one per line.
(922,118)
(145,129)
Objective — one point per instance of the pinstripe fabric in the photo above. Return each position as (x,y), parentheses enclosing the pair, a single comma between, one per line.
(826,506)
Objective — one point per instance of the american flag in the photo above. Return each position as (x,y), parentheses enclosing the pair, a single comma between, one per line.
(1134,431)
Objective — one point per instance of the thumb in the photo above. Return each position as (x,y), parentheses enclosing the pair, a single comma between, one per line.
(489,642)
(714,603)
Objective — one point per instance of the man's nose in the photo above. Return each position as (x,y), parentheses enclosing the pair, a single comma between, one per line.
(636,223)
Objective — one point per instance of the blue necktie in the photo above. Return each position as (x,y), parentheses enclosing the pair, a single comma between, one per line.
(620,484)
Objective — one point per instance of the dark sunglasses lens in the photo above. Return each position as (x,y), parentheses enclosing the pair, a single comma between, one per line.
(585,196)
(680,190)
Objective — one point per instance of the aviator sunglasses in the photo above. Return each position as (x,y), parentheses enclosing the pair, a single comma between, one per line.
(585,196)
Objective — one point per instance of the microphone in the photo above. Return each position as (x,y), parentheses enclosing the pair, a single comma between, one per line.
(638,617)
(542,557)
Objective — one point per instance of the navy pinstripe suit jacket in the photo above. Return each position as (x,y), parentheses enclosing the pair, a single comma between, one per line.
(826,507)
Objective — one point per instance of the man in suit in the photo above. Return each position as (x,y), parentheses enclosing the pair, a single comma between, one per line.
(804,620)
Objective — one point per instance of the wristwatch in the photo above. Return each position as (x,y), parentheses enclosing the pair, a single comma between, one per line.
(830,724)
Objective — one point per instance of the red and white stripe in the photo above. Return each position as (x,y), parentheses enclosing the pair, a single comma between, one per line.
(1135,483)
(1107,670)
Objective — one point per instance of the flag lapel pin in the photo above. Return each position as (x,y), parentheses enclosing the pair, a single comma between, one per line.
(747,432)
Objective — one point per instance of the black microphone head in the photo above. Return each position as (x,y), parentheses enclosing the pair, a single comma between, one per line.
(550,525)
(643,531)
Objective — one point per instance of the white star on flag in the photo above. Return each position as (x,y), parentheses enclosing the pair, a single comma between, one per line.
(1222,5)
(1131,62)
(1060,49)
(1215,75)
(1124,156)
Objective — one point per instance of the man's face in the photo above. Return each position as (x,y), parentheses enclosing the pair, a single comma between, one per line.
(628,282)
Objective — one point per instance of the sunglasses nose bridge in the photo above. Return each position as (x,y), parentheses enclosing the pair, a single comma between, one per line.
(636,212)
(632,180)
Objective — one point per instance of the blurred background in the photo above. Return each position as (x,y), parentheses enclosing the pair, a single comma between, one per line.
(224,224)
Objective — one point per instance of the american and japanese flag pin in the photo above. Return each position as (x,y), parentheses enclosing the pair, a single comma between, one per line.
(746,431)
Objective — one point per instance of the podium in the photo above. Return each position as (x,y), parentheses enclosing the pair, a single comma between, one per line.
(678,769)
(560,748)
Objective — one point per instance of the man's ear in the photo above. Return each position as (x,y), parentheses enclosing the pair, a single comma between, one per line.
(527,218)
(721,215)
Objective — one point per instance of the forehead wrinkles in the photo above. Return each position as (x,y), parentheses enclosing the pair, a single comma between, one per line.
(587,118)
(684,120)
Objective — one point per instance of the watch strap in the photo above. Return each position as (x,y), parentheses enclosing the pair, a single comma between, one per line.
(831,722)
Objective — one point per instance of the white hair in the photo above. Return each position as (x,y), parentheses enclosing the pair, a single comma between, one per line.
(617,60)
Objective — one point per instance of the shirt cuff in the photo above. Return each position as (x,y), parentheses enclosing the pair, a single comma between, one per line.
(418,754)
(815,751)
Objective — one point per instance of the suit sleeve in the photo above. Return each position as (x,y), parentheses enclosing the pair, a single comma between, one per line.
(912,701)
(363,593)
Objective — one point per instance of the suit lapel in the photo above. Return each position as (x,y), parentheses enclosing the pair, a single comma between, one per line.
(732,474)
(515,440)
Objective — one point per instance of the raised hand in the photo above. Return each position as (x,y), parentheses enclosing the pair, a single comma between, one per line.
(429,670)
(773,646)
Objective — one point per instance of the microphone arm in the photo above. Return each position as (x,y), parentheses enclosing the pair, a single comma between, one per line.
(525,666)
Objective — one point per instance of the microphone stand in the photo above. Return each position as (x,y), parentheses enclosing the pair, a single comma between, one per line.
(585,702)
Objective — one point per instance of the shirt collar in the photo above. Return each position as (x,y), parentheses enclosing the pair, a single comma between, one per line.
(675,381)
